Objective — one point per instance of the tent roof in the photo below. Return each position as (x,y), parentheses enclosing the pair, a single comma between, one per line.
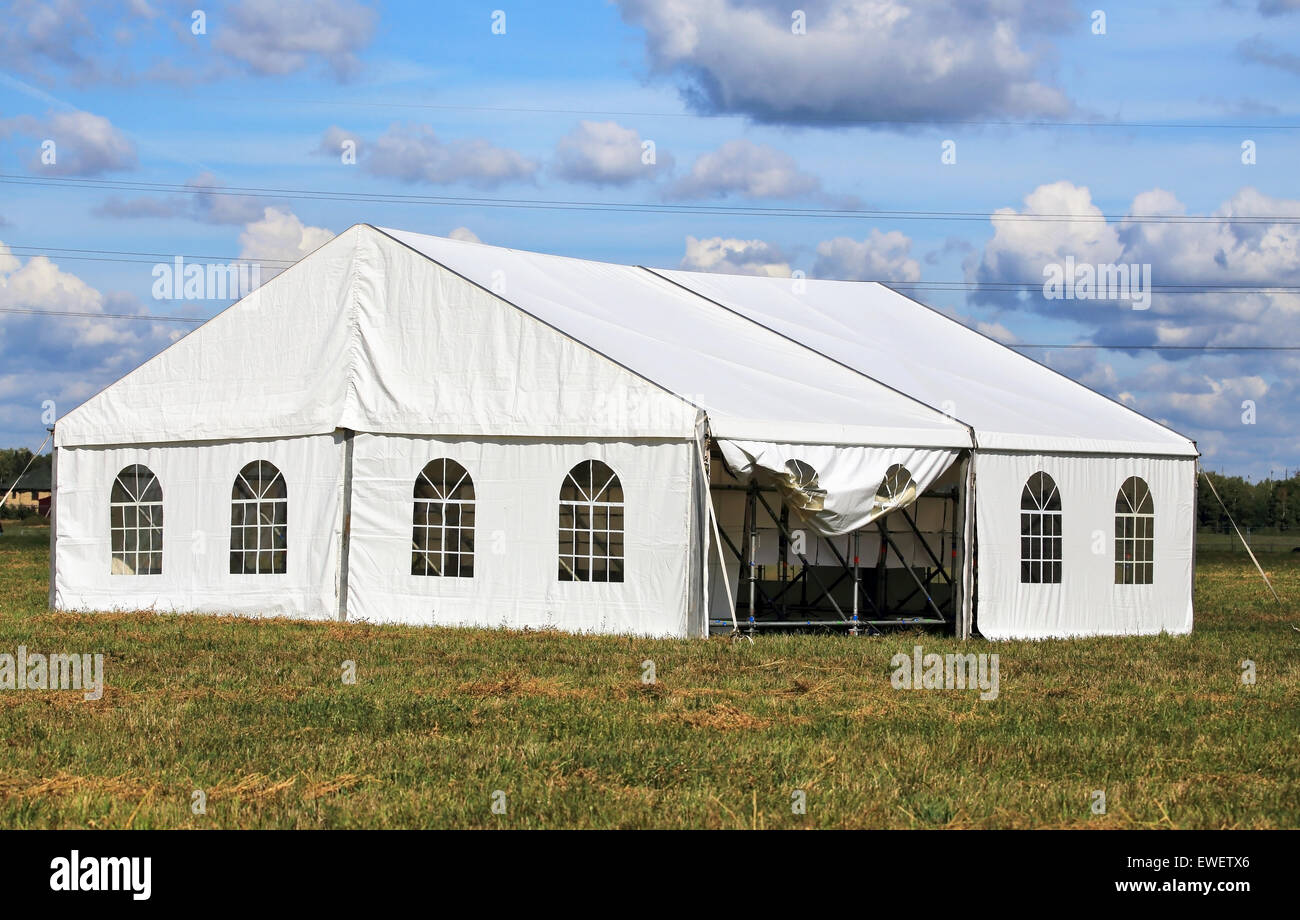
(752,383)
(527,344)
(1011,401)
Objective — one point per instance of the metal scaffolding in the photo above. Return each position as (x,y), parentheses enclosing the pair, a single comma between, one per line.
(808,599)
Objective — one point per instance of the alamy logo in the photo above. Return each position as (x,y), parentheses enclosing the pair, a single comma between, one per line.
(1085,281)
(103,873)
(35,671)
(216,281)
(920,671)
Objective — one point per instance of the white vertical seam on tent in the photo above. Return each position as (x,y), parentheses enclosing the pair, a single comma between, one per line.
(1262,575)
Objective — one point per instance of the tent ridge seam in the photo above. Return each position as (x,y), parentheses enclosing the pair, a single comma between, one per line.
(970,430)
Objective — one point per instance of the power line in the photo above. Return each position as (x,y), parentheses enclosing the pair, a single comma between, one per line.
(828,121)
(631,207)
(46,250)
(113,255)
(88,314)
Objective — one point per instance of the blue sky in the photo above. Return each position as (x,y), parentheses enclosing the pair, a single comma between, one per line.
(1047,117)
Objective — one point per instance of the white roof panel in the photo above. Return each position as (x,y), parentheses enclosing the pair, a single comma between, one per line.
(753,383)
(1011,401)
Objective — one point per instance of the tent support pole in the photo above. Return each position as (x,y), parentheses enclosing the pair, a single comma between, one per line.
(345,534)
(751,514)
(54,518)
(882,571)
(717,534)
(784,547)
(856,585)
(966,616)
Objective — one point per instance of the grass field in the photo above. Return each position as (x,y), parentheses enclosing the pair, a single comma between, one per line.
(255,714)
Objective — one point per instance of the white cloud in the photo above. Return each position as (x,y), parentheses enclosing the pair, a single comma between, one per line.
(280,236)
(744,168)
(84,144)
(39,284)
(606,153)
(1236,245)
(208,204)
(735,257)
(414,153)
(858,59)
(1021,247)
(277,37)
(1197,392)
(333,140)
(1259,50)
(878,257)
(465,235)
(39,35)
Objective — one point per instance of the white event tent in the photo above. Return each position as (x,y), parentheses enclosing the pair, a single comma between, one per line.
(405,428)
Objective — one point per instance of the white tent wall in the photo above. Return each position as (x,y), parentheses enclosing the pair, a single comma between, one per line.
(196,480)
(516,493)
(1086,601)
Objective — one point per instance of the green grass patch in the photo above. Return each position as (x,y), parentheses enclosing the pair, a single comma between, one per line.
(255,714)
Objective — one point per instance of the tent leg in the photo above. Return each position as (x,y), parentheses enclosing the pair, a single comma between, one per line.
(718,537)
(54,518)
(853,631)
(346,530)
(751,548)
(966,615)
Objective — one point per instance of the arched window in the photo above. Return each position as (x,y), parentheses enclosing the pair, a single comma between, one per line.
(1040,531)
(1135,534)
(442,538)
(259,521)
(591,524)
(135,519)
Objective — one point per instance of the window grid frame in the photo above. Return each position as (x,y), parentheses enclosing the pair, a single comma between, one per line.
(609,564)
(1135,531)
(1041,532)
(421,553)
(143,522)
(265,531)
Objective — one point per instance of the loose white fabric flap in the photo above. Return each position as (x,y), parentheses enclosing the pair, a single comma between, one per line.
(838,489)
